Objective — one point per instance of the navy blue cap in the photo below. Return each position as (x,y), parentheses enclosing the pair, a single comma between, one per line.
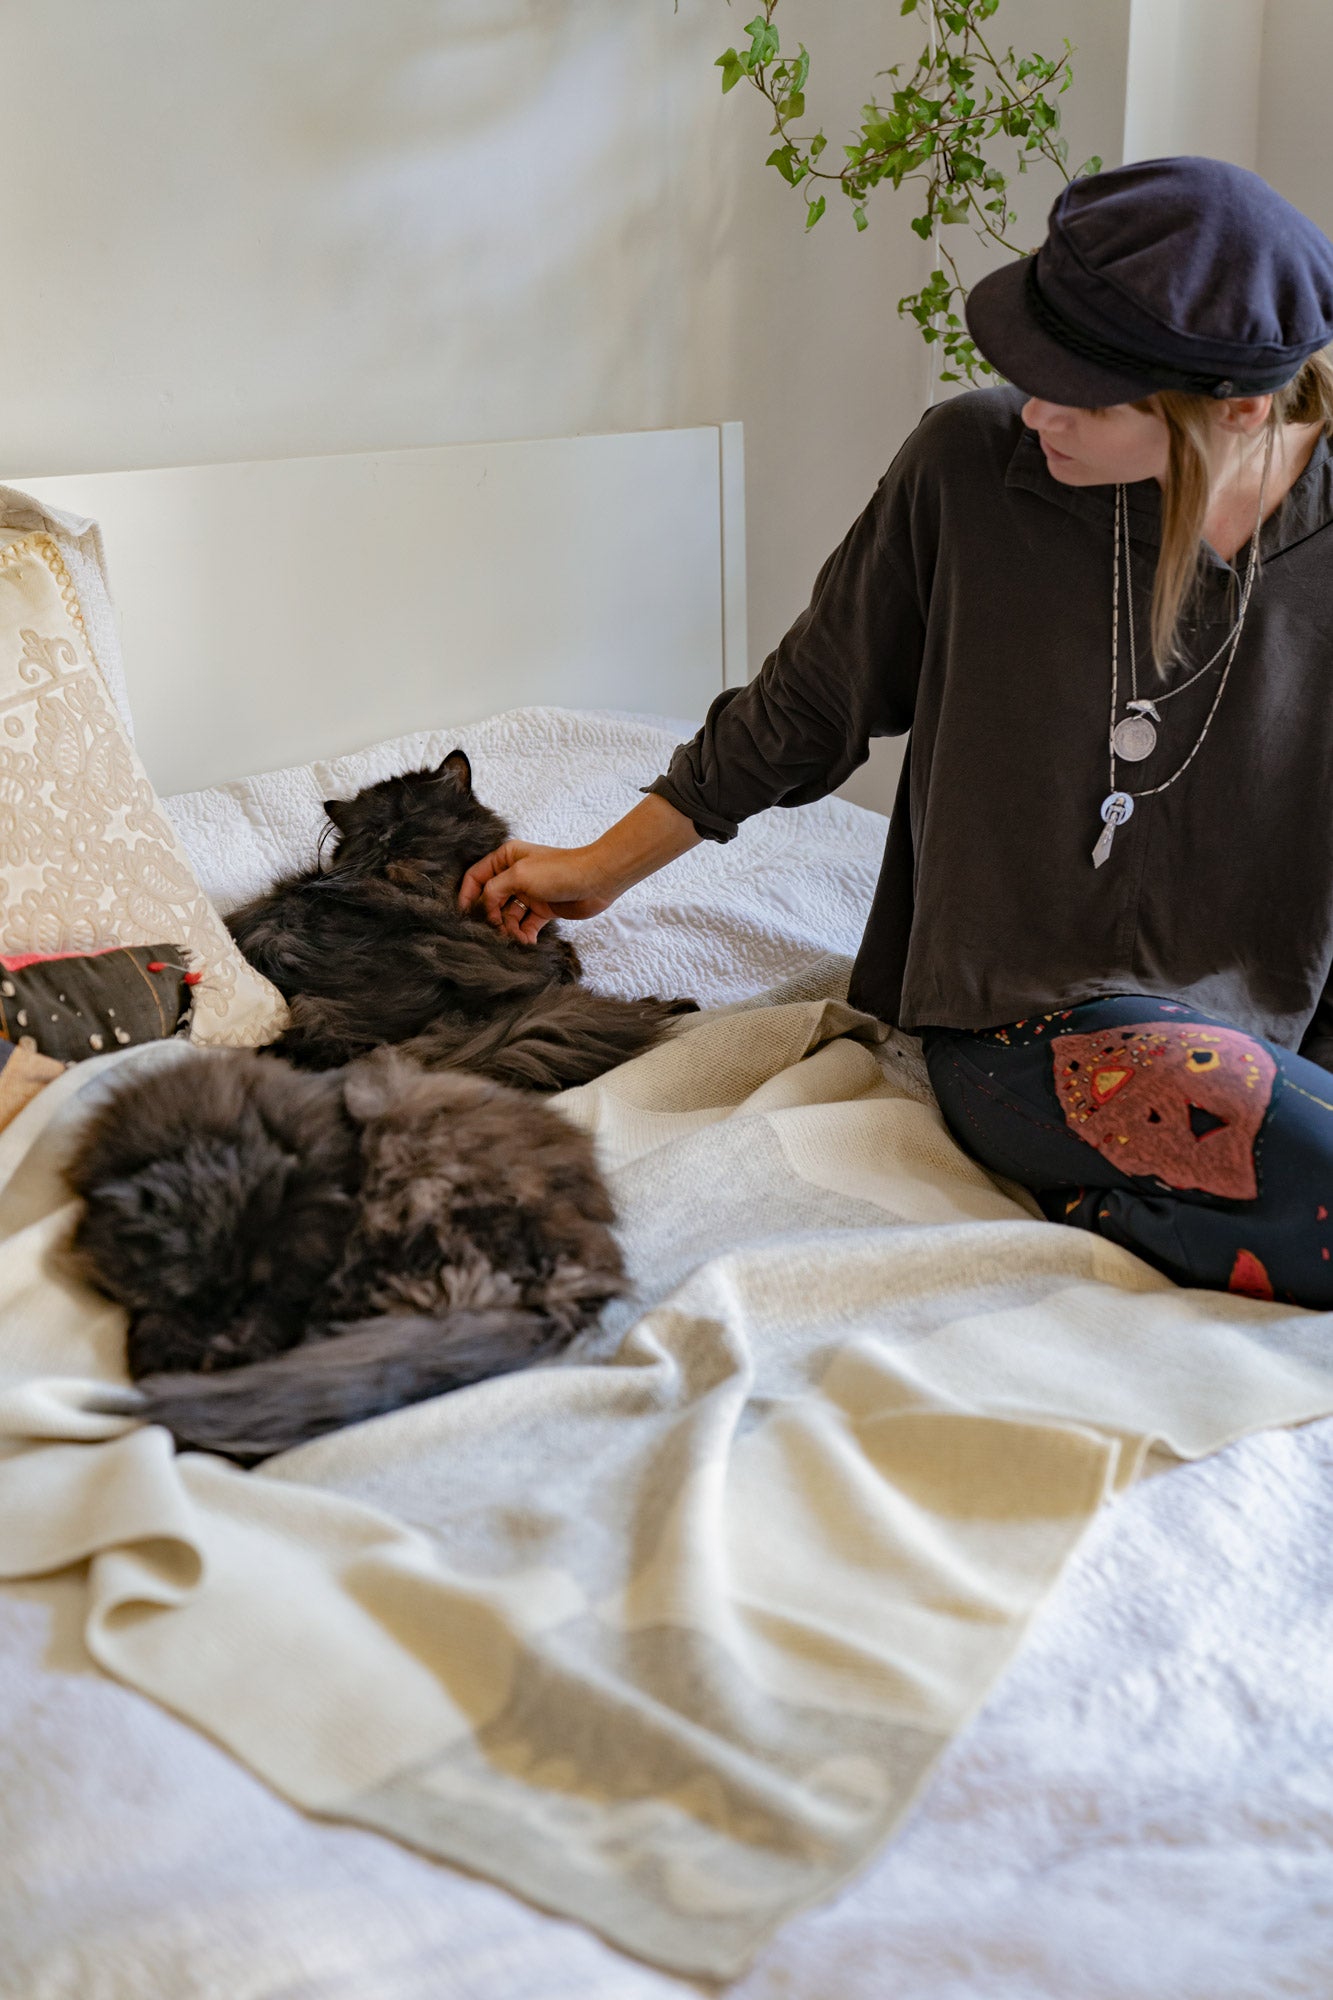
(1167,274)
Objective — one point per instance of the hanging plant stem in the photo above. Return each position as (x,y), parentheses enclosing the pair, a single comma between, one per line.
(939,130)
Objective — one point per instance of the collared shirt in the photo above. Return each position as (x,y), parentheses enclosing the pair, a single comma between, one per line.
(971,604)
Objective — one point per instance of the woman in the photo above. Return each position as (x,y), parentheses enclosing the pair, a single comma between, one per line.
(1103,604)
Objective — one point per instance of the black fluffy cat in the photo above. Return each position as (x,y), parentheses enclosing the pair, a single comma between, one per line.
(372,949)
(299,1251)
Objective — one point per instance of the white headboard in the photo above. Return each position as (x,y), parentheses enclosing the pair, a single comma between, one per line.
(288,609)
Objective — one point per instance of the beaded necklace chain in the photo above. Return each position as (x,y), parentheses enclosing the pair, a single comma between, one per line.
(1135,736)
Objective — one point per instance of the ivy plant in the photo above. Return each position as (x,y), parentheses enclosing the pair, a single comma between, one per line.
(968,110)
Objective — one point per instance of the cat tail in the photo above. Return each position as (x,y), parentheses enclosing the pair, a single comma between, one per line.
(565,1036)
(342,1377)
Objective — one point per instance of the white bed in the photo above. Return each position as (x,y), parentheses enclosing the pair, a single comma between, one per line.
(1144,1808)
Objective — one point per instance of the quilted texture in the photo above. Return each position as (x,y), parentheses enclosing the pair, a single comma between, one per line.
(722,922)
(87,858)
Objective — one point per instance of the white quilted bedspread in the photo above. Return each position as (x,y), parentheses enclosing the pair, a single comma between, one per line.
(726,921)
(1143,1811)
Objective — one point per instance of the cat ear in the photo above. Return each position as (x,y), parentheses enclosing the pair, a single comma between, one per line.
(457,767)
(332,808)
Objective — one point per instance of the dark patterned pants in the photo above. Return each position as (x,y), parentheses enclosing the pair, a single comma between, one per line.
(1207,1152)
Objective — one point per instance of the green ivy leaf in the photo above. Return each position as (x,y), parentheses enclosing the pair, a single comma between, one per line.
(732,70)
(763,39)
(945,117)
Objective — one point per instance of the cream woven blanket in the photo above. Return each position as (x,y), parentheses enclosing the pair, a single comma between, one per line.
(665,1637)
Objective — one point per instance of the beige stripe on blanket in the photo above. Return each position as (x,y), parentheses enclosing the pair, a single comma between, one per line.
(667,1636)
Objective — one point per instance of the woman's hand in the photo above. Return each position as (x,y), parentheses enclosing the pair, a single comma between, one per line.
(521,886)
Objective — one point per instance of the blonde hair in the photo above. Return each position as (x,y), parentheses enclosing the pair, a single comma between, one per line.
(1186,490)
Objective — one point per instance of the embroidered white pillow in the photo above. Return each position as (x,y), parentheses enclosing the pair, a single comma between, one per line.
(87,856)
(79,541)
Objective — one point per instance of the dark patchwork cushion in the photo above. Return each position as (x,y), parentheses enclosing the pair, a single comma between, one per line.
(86,1004)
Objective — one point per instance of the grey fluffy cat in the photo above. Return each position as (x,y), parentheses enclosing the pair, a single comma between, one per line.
(371,949)
(300,1250)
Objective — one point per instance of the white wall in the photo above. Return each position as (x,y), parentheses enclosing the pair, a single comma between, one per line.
(248,230)
(235,229)
(1297,75)
(1194,79)
(1242,80)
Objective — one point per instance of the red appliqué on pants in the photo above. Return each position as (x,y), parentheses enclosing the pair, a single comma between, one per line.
(1172,1100)
(1249,1277)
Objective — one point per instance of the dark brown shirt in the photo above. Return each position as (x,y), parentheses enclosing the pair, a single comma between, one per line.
(971,604)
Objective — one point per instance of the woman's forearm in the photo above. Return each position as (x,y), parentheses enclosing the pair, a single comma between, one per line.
(650,835)
(522,886)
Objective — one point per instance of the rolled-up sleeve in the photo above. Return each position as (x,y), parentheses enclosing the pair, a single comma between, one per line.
(846,672)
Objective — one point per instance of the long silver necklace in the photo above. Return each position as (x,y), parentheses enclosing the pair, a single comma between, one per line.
(1135,736)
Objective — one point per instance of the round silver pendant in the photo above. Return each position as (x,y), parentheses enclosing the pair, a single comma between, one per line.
(1117,807)
(1134,739)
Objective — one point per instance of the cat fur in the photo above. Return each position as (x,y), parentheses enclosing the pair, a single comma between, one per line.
(370,949)
(300,1250)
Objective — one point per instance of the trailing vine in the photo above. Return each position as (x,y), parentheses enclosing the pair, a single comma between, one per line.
(941,128)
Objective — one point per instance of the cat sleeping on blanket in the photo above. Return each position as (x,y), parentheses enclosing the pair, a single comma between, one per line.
(300,1250)
(371,949)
